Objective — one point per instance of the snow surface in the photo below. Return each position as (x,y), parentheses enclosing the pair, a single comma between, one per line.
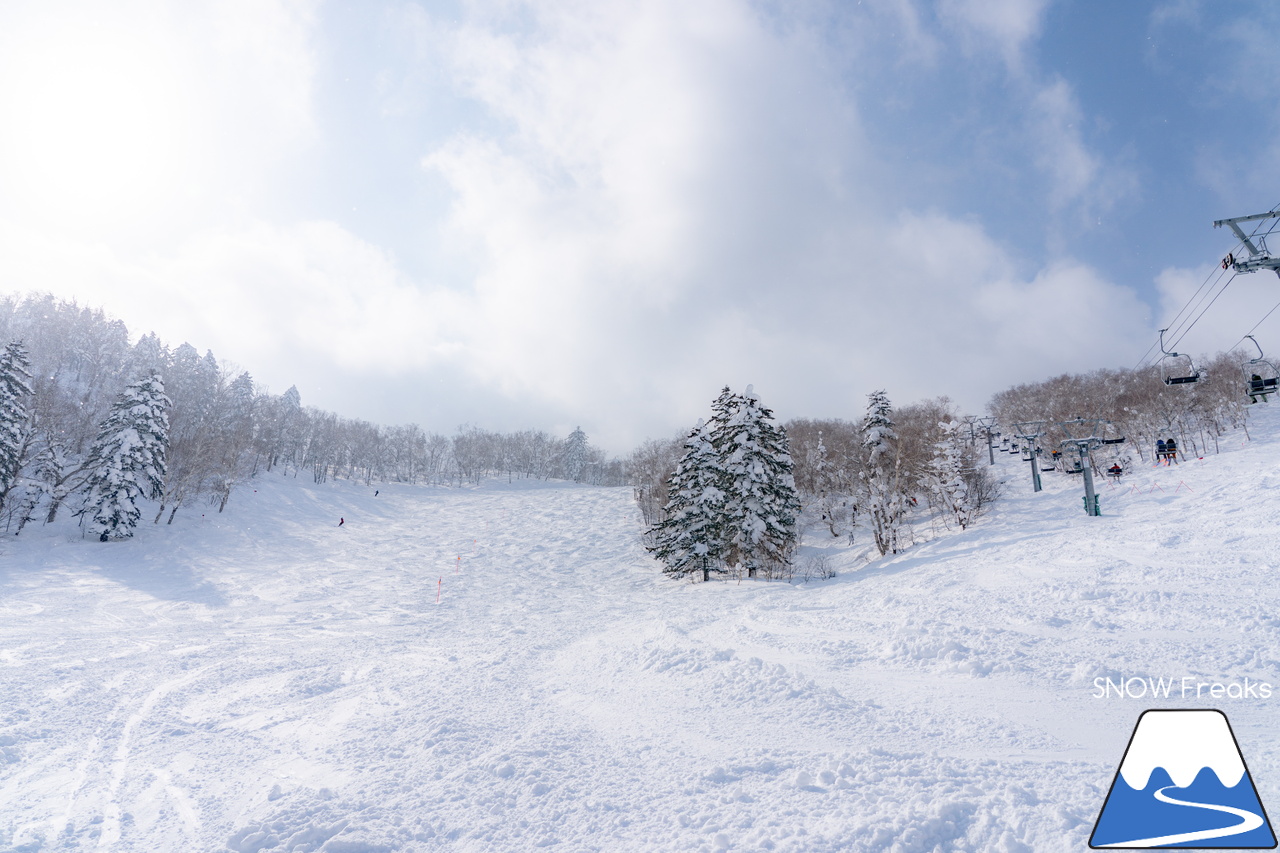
(1183,743)
(265,680)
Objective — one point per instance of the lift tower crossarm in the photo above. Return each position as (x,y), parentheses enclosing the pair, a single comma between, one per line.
(1029,431)
(1085,434)
(1258,258)
(988,424)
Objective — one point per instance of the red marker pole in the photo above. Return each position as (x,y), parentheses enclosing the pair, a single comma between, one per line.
(439,584)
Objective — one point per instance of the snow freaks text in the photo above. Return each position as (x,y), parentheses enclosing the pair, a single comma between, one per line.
(1187,687)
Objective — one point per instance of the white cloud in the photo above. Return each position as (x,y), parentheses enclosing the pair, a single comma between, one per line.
(1072,168)
(273,300)
(675,203)
(137,120)
(659,200)
(1007,24)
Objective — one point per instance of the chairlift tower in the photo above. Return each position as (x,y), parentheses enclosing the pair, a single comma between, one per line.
(1259,257)
(988,424)
(1085,435)
(1029,431)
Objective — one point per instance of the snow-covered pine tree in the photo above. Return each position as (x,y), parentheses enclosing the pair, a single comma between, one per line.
(723,408)
(56,469)
(127,461)
(761,506)
(691,538)
(947,471)
(32,493)
(15,388)
(886,504)
(576,455)
(832,506)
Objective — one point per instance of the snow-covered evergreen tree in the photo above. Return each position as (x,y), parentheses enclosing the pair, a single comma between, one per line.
(576,454)
(691,537)
(761,506)
(832,506)
(15,388)
(947,480)
(56,470)
(127,461)
(886,504)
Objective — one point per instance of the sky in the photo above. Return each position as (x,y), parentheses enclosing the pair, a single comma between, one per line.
(582,213)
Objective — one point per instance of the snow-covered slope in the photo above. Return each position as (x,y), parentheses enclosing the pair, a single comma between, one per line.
(266,680)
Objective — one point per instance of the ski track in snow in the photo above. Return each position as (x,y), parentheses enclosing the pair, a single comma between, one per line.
(265,680)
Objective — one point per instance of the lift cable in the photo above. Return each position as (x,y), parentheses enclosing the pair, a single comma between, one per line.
(1255,327)
(1221,291)
(1189,307)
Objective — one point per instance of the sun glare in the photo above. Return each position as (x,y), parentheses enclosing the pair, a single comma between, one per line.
(96,126)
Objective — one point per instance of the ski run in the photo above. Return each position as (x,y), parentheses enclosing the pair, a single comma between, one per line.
(506,668)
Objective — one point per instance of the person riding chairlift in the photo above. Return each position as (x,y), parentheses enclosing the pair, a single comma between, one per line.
(1255,381)
(1115,471)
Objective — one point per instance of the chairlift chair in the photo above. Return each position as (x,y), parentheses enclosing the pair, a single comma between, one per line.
(1261,376)
(1047,461)
(1176,368)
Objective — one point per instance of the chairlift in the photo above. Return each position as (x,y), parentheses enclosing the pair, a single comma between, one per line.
(1261,376)
(1176,368)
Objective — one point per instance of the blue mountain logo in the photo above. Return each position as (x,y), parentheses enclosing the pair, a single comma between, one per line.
(1183,783)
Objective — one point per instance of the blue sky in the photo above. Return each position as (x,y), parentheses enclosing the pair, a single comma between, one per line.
(566,212)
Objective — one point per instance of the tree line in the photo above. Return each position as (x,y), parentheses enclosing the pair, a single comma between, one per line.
(69,378)
(1139,406)
(74,397)
(731,494)
(899,466)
